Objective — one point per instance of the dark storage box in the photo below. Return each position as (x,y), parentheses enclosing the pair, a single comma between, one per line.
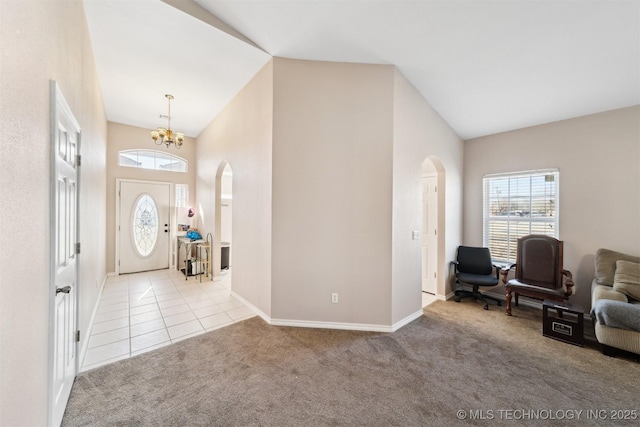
(563,321)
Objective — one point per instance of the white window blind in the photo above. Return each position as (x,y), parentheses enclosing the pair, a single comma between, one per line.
(182,195)
(516,205)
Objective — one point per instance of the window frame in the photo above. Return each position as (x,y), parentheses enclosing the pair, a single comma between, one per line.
(139,165)
(182,202)
(519,222)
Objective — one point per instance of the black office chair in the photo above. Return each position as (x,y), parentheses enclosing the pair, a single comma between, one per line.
(474,267)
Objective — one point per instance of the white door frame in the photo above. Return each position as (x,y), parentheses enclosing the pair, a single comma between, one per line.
(58,105)
(172,218)
(429,238)
(433,166)
(217,227)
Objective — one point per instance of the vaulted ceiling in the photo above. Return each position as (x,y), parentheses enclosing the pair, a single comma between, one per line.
(486,66)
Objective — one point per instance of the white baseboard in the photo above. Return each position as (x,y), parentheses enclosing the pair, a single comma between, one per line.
(527,302)
(410,318)
(332,325)
(252,307)
(85,340)
(329,325)
(449,296)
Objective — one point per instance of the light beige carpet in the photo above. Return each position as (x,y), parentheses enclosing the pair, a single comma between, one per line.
(457,361)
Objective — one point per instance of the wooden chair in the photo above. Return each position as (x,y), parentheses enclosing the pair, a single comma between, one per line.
(539,272)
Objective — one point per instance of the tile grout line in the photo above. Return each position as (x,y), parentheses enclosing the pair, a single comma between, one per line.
(184,293)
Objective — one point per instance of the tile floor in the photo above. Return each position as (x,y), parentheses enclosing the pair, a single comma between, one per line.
(145,311)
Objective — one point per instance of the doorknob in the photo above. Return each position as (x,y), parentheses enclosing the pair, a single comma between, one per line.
(64,290)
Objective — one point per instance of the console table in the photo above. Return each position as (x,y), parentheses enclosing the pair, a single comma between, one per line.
(188,245)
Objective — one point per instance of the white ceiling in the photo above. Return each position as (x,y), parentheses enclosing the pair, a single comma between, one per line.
(485,66)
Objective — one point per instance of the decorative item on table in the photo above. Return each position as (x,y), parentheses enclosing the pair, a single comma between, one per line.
(183,227)
(193,234)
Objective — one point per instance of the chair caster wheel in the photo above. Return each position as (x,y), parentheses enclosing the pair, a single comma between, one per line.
(486,306)
(457,299)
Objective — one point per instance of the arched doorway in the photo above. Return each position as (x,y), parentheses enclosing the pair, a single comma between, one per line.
(223,235)
(433,227)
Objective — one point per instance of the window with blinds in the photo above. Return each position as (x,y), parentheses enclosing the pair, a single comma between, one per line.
(182,195)
(516,205)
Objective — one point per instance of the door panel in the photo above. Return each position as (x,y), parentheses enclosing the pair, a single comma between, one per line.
(64,269)
(144,226)
(429,234)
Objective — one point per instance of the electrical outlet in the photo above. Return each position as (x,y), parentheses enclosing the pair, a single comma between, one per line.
(334,298)
(415,235)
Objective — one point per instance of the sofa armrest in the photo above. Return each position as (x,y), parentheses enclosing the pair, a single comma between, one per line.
(617,314)
(599,292)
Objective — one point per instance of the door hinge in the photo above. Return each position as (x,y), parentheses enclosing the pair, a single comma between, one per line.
(78,335)
(78,248)
(78,160)
(435,189)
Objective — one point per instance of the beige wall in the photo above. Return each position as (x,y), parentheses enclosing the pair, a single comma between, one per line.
(332,181)
(124,137)
(241,135)
(599,161)
(327,161)
(39,41)
(421,134)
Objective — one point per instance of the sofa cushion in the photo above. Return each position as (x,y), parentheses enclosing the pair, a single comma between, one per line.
(605,264)
(627,278)
(617,314)
(605,292)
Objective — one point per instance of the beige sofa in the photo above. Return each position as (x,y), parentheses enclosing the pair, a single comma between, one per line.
(615,301)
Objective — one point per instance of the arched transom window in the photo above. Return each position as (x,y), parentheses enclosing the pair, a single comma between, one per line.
(152,159)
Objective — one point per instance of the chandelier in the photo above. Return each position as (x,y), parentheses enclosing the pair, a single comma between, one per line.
(166,135)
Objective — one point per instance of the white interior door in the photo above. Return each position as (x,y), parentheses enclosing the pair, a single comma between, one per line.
(65,138)
(429,234)
(144,226)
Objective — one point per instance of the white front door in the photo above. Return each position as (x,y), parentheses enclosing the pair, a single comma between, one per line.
(429,234)
(65,144)
(144,226)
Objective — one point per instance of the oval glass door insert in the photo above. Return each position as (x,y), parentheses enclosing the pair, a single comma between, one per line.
(145,225)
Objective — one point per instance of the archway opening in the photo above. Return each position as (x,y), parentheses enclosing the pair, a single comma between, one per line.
(223,228)
(226,208)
